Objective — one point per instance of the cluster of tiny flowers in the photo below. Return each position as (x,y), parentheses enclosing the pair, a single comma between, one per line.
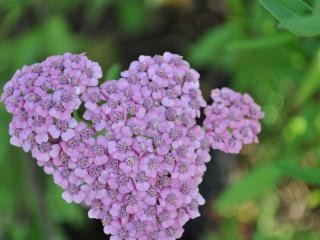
(41,99)
(152,152)
(137,157)
(232,120)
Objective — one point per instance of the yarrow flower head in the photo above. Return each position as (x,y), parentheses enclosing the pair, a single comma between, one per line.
(138,155)
(232,120)
(150,113)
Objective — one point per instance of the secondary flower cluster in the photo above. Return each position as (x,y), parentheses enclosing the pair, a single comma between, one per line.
(137,157)
(41,99)
(232,120)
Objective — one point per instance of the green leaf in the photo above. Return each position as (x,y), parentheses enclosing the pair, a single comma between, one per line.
(113,72)
(296,171)
(304,26)
(284,9)
(260,180)
(294,15)
(262,42)
(298,6)
(311,83)
(212,44)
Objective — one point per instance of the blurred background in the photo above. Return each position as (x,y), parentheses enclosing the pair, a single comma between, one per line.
(270,191)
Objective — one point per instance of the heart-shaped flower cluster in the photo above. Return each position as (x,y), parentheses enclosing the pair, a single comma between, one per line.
(137,156)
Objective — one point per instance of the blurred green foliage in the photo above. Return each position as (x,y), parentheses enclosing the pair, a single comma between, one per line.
(273,191)
(296,15)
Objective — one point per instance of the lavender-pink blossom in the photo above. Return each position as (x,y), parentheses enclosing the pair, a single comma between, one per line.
(151,112)
(232,120)
(138,155)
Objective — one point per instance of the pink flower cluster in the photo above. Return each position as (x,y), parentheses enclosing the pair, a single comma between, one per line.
(232,120)
(137,157)
(137,160)
(41,99)
(152,154)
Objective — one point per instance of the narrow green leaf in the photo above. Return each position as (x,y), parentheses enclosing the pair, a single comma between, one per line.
(294,15)
(304,26)
(298,6)
(254,185)
(113,72)
(212,44)
(311,83)
(296,171)
(280,10)
(261,42)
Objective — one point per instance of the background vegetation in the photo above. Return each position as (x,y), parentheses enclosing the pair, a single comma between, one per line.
(268,48)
